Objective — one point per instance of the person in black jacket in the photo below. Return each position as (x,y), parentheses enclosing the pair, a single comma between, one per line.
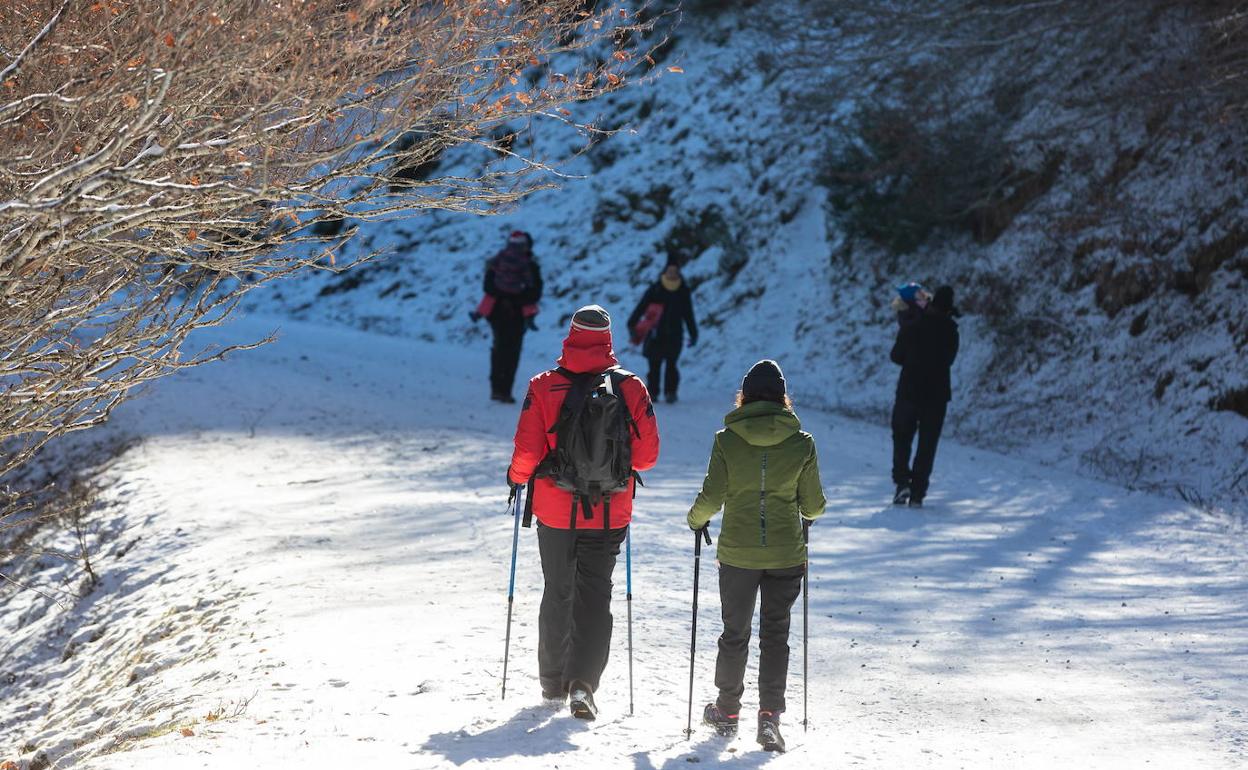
(925,349)
(672,300)
(514,282)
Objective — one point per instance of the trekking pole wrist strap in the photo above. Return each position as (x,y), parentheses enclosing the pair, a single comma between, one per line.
(528,506)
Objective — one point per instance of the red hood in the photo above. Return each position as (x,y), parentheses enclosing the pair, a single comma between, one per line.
(586,351)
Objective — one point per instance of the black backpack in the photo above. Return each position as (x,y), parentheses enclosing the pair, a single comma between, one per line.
(593,455)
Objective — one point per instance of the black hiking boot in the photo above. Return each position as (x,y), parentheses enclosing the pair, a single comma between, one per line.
(581,701)
(902,496)
(916,502)
(724,724)
(769,731)
(555,692)
(671,398)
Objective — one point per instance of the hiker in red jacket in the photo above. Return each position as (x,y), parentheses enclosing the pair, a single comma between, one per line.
(579,537)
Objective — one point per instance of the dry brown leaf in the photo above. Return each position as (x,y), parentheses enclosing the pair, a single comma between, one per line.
(186,732)
(676,69)
(130,101)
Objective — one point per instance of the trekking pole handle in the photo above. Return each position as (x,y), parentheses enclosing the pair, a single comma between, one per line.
(705,532)
(806,531)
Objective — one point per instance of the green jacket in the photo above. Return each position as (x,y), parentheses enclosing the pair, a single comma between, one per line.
(763,473)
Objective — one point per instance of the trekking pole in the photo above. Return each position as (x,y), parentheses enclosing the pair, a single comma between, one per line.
(693,633)
(805,623)
(511,586)
(628,588)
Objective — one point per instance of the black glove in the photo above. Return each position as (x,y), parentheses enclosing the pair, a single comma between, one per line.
(513,489)
(531,324)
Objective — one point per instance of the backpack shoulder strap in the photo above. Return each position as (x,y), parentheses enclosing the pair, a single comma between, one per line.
(617,376)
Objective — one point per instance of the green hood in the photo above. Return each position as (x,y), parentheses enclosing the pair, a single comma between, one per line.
(762,423)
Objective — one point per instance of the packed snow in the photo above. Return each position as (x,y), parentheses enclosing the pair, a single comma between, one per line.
(308,559)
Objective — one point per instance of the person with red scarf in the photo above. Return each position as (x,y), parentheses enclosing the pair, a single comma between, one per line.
(578,543)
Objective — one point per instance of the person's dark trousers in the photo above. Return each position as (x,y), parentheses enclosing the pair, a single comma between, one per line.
(574,625)
(671,382)
(738,590)
(505,354)
(927,420)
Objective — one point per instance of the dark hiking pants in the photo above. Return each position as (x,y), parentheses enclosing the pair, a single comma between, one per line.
(671,382)
(505,354)
(927,420)
(574,626)
(738,591)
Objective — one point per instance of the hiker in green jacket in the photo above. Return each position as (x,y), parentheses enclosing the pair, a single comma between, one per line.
(765,475)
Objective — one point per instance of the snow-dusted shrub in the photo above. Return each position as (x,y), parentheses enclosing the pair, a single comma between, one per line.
(901,173)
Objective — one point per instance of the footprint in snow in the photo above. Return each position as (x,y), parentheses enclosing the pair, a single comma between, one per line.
(337,683)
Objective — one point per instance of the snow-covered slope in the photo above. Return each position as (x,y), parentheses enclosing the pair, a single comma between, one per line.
(310,569)
(1105,329)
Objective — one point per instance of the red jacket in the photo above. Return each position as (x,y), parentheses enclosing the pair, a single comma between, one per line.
(583,351)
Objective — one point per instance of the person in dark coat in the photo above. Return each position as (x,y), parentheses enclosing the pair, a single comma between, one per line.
(926,347)
(671,298)
(514,281)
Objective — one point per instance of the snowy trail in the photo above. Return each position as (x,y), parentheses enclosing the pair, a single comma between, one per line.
(338,497)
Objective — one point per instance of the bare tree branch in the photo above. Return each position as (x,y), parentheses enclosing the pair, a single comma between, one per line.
(160,160)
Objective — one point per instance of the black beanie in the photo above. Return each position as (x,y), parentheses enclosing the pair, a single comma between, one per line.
(764,382)
(592,318)
(943,299)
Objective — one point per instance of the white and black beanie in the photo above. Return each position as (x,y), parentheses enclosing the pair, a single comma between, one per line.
(592,318)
